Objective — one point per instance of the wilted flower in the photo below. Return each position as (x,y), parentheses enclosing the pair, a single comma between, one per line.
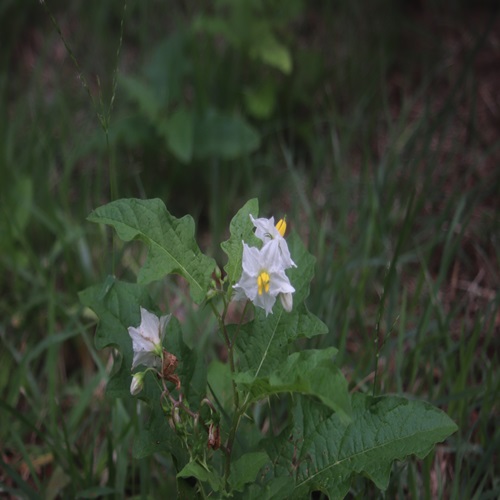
(213,436)
(170,363)
(268,232)
(147,339)
(263,276)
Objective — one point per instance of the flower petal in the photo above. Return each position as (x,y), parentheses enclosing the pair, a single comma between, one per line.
(150,326)
(265,229)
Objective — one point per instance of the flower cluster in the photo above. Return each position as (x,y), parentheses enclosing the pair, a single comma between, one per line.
(263,276)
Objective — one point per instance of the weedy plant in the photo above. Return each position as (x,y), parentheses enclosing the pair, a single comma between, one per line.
(411,298)
(218,421)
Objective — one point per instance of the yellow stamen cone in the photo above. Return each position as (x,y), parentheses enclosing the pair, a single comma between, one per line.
(281,227)
(263,281)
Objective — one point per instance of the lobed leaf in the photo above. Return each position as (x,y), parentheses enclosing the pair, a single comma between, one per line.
(320,451)
(171,242)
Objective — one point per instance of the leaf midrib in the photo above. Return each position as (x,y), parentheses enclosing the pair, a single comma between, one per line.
(139,232)
(350,457)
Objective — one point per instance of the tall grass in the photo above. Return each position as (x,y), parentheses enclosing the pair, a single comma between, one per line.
(393,186)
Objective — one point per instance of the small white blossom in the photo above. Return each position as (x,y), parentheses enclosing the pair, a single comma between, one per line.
(263,277)
(147,339)
(268,232)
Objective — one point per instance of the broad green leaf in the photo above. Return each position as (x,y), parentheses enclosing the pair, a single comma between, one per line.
(223,135)
(320,451)
(241,229)
(310,372)
(203,474)
(272,52)
(245,469)
(171,242)
(178,132)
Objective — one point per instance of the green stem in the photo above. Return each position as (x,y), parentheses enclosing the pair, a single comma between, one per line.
(222,326)
(230,441)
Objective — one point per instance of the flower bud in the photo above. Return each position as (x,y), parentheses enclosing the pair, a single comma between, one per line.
(286,301)
(137,383)
(218,272)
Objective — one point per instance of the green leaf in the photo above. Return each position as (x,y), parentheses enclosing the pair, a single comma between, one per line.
(203,474)
(262,344)
(223,135)
(245,469)
(272,52)
(171,242)
(310,372)
(241,229)
(320,451)
(179,134)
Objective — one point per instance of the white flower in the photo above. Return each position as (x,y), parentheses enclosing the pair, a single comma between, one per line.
(268,232)
(147,339)
(263,277)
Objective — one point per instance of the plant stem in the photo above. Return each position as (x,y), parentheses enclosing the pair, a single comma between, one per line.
(222,326)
